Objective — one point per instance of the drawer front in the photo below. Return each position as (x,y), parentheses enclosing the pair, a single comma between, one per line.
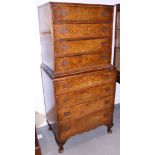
(81,31)
(85,109)
(84,80)
(83,13)
(82,61)
(83,46)
(85,95)
(86,123)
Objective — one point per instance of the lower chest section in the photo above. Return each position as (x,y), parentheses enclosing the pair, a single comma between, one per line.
(86,123)
(81,102)
(84,102)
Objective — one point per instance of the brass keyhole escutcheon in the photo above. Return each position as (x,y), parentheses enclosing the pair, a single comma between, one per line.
(66,113)
(63,30)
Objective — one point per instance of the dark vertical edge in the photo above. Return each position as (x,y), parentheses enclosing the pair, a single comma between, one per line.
(114,61)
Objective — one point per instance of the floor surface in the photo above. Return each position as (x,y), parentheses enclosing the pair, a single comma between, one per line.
(94,142)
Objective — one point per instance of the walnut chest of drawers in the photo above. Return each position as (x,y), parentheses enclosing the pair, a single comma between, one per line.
(78,78)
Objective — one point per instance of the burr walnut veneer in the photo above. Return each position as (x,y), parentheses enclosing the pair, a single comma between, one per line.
(78,78)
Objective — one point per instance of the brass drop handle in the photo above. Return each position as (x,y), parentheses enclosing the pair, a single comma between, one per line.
(63,30)
(64,62)
(65,99)
(66,113)
(66,128)
(63,12)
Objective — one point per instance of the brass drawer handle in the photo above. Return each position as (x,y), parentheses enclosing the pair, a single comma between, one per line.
(65,99)
(63,13)
(66,113)
(65,62)
(63,30)
(66,128)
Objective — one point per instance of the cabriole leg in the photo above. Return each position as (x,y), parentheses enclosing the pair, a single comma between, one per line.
(109,128)
(61,148)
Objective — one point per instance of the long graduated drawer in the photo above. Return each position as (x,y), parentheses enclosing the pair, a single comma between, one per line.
(84,80)
(81,13)
(86,123)
(86,108)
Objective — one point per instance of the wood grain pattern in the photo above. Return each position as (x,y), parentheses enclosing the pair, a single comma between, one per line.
(72,127)
(96,53)
(70,48)
(82,61)
(71,31)
(79,110)
(82,13)
(76,42)
(84,80)
(85,95)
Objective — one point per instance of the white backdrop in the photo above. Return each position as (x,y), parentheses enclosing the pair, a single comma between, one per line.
(107,2)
